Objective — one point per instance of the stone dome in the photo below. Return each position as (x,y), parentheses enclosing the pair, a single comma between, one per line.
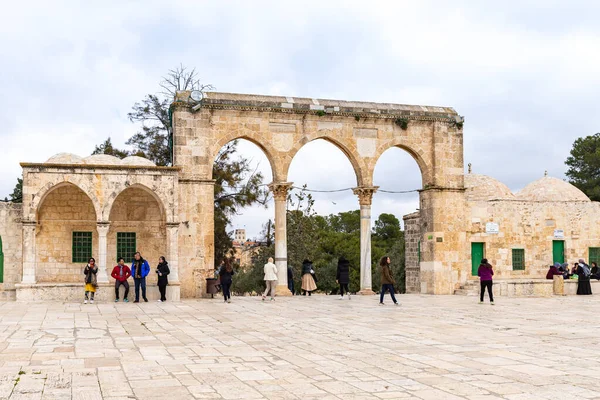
(101,159)
(135,160)
(551,189)
(485,188)
(64,158)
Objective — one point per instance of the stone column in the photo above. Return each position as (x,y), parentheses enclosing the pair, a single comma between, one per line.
(280,192)
(102,228)
(29,252)
(365,196)
(173,250)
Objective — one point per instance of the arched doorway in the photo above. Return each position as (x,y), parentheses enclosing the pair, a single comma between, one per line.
(399,178)
(66,235)
(137,223)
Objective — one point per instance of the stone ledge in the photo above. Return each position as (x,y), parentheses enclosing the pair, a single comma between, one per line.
(105,292)
(99,166)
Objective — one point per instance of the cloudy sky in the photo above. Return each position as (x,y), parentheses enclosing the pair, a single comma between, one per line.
(525,74)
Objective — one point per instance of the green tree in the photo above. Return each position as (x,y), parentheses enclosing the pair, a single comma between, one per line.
(17,194)
(107,148)
(584,165)
(237,185)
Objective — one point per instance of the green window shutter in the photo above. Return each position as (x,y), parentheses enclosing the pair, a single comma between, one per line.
(126,245)
(82,247)
(594,255)
(518,259)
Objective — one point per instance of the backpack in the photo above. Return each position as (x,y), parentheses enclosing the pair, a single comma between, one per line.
(586,270)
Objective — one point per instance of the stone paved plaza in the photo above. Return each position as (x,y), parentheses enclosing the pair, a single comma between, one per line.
(319,347)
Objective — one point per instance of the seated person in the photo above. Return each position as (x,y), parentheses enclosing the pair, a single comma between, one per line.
(595,271)
(553,271)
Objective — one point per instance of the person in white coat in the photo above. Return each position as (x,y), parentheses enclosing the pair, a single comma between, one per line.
(270,279)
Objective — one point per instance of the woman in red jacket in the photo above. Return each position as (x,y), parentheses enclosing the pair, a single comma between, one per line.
(485,273)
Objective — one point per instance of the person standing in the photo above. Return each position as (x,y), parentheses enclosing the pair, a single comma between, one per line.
(270,271)
(485,273)
(387,280)
(309,281)
(121,273)
(91,283)
(162,270)
(290,273)
(140,270)
(342,276)
(583,278)
(226,273)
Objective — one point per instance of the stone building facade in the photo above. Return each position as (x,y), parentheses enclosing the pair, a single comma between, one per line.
(520,234)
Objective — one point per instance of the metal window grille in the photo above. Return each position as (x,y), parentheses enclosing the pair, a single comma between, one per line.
(518,259)
(82,247)
(594,255)
(126,245)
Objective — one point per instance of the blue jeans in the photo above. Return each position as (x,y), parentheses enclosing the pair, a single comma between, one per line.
(140,282)
(384,288)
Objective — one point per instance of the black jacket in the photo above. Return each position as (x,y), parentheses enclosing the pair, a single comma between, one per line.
(343,271)
(226,276)
(163,268)
(306,267)
(290,274)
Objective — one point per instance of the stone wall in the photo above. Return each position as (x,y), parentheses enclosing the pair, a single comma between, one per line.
(530,226)
(65,210)
(135,210)
(412,236)
(11,233)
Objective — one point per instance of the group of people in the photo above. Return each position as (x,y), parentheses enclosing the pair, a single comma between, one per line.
(580,271)
(309,279)
(121,273)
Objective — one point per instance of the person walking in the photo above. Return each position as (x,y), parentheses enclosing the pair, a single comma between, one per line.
(342,276)
(387,280)
(90,271)
(226,273)
(120,274)
(270,271)
(485,273)
(583,278)
(140,270)
(309,281)
(162,270)
(290,273)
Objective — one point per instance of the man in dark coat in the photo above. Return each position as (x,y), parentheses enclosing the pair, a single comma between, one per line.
(343,276)
(290,273)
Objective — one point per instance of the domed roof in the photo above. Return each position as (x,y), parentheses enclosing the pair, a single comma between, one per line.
(135,160)
(551,189)
(101,159)
(64,158)
(485,188)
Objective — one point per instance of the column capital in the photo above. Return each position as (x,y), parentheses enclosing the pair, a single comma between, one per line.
(102,228)
(365,194)
(280,189)
(172,224)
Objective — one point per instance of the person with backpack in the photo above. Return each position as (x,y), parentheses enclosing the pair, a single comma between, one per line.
(583,278)
(485,273)
(342,276)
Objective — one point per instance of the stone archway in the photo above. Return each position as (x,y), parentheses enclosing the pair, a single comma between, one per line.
(281,125)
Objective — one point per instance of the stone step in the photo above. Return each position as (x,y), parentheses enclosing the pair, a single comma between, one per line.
(466,292)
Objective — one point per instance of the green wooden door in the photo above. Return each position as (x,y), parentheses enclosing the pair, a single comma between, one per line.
(476,257)
(558,251)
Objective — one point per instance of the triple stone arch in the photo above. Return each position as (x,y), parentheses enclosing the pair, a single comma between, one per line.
(281,126)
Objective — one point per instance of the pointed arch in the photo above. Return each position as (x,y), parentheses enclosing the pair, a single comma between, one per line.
(47,189)
(110,201)
(268,151)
